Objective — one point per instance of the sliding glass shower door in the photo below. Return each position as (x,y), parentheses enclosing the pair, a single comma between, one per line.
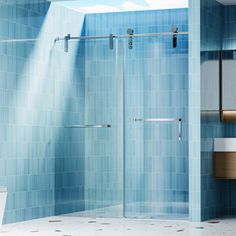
(104,143)
(90,178)
(156,118)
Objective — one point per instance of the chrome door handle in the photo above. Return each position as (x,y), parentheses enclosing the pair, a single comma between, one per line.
(163,120)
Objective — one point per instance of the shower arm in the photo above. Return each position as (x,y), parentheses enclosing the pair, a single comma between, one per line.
(163,120)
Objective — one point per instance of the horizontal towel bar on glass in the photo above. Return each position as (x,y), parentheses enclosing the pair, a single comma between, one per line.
(163,120)
(87,126)
(158,120)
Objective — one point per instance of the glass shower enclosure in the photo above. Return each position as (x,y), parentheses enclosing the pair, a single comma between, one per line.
(133,127)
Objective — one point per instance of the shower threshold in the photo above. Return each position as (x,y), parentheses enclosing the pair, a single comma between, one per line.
(165,211)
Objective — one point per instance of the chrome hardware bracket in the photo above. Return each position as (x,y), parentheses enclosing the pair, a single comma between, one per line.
(164,120)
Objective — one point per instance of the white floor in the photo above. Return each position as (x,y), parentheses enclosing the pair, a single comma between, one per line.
(78,226)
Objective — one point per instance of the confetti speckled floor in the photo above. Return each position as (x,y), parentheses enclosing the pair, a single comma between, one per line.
(78,226)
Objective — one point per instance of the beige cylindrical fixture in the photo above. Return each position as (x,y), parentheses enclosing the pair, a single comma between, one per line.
(228,116)
(225,158)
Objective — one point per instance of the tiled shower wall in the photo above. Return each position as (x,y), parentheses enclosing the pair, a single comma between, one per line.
(156,82)
(41,91)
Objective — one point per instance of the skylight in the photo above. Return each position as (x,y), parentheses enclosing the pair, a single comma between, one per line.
(101,6)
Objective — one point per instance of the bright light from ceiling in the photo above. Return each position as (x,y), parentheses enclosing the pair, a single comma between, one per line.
(99,6)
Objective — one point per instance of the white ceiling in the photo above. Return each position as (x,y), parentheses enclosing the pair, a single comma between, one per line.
(227,2)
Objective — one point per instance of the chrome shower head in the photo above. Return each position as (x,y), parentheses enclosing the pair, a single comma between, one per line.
(130,31)
(174,29)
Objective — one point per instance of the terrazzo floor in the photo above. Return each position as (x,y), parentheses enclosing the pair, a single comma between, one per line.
(81,226)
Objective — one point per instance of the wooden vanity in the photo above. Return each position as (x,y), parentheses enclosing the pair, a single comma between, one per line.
(225,158)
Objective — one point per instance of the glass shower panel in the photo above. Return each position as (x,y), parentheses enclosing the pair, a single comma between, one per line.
(89,154)
(89,174)
(156,130)
(104,146)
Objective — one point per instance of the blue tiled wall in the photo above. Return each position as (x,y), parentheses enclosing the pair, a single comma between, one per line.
(218,32)
(156,85)
(212,26)
(230,185)
(229,36)
(40,93)
(213,191)
(229,42)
